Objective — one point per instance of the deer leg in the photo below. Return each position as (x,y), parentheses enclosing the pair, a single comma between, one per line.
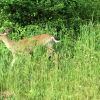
(50,52)
(14,59)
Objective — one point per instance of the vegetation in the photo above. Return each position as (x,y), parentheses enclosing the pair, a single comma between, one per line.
(73,71)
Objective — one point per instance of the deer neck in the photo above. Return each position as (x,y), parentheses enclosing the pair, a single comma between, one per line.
(9,43)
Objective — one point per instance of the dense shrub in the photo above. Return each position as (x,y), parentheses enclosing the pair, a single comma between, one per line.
(28,12)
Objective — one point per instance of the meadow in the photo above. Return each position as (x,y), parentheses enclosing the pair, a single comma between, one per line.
(73,73)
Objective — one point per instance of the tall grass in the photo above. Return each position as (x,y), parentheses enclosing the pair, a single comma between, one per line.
(72,74)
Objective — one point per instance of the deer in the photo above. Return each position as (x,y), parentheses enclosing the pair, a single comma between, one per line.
(27,44)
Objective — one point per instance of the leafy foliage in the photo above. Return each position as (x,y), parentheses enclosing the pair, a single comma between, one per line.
(29,12)
(73,72)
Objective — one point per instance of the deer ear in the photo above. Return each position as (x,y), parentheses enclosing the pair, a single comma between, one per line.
(5,33)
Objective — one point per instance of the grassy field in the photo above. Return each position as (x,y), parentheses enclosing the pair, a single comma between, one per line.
(73,73)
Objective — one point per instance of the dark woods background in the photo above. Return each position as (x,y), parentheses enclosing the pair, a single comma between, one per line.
(55,13)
